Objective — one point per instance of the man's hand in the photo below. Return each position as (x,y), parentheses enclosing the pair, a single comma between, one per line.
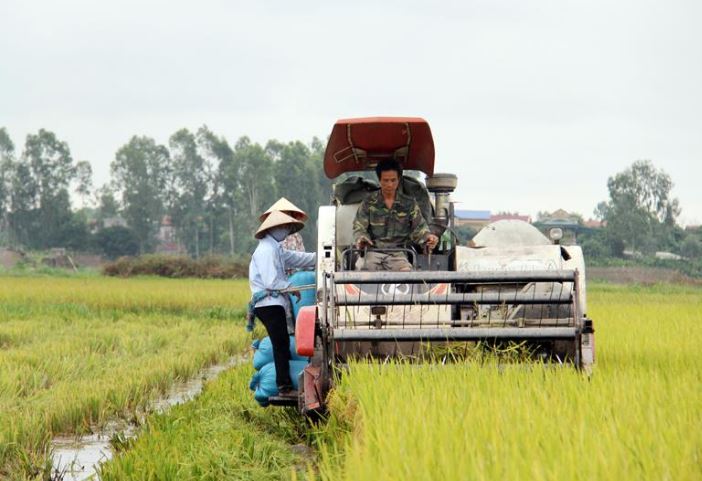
(364,242)
(431,242)
(297,295)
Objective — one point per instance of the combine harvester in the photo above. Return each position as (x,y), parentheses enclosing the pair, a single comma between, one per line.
(511,284)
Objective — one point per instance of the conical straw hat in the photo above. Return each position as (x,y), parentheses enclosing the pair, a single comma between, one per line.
(277,219)
(284,205)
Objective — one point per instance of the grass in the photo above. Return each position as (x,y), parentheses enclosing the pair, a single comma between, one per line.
(221,435)
(638,417)
(75,352)
(22,270)
(90,297)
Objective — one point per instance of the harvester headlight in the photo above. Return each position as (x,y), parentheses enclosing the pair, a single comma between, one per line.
(556,234)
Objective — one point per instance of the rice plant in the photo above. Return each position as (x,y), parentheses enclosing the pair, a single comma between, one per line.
(223,434)
(637,417)
(75,352)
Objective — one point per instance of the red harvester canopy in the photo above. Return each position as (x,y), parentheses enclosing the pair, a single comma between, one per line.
(358,144)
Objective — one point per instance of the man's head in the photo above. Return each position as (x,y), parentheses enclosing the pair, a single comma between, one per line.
(389,174)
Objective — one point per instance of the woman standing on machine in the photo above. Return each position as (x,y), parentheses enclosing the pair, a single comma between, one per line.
(269,288)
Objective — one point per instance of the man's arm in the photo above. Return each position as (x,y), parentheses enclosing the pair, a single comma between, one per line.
(420,230)
(361,236)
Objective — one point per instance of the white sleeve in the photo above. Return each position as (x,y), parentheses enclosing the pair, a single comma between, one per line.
(296,259)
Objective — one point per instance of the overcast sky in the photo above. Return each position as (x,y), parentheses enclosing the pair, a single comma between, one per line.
(533,104)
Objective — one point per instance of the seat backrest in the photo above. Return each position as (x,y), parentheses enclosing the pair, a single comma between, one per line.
(414,188)
(354,189)
(345,215)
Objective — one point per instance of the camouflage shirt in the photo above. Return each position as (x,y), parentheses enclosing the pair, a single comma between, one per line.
(395,227)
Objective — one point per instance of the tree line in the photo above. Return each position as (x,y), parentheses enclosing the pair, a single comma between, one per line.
(212,192)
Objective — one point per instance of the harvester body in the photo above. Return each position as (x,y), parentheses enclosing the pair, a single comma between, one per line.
(511,284)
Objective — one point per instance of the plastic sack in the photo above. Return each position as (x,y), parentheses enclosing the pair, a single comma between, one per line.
(307,297)
(263,381)
(263,352)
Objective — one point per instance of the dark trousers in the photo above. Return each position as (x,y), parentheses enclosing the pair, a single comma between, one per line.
(273,317)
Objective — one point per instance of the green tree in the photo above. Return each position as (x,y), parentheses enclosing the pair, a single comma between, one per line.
(297,179)
(50,162)
(317,148)
(464,233)
(23,215)
(84,179)
(117,241)
(107,205)
(191,186)
(691,247)
(73,233)
(596,244)
(217,153)
(250,173)
(48,169)
(140,173)
(7,159)
(299,175)
(640,210)
(57,223)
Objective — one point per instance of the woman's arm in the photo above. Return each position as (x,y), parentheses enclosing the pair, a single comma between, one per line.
(296,259)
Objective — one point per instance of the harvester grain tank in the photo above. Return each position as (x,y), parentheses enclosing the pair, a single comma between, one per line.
(512,284)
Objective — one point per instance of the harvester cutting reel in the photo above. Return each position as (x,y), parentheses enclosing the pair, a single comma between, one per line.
(400,314)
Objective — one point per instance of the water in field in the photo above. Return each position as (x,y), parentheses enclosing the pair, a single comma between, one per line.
(76,458)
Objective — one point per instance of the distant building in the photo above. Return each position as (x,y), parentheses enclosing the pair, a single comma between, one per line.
(116,221)
(476,219)
(510,216)
(594,224)
(667,256)
(561,217)
(166,238)
(95,226)
(570,224)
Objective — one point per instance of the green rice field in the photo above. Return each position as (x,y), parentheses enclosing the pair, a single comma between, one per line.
(76,352)
(638,417)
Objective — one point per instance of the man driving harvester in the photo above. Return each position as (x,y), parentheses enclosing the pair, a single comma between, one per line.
(389,219)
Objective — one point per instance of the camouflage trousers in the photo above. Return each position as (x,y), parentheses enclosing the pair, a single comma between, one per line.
(384,261)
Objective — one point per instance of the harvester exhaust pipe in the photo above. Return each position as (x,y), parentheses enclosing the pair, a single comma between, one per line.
(441,185)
